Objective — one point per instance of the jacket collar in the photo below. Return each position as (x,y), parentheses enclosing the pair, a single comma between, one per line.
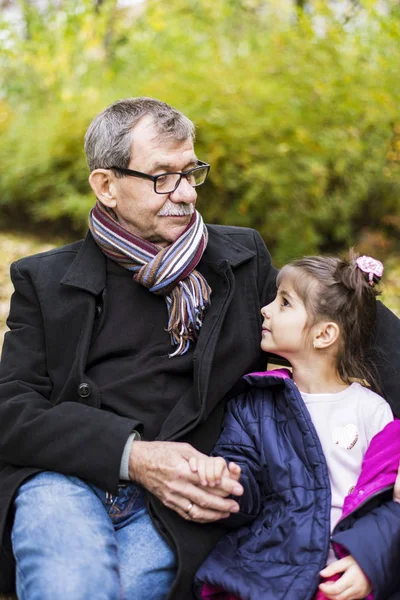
(222,248)
(267,378)
(88,270)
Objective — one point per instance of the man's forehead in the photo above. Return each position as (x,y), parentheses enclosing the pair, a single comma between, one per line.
(150,148)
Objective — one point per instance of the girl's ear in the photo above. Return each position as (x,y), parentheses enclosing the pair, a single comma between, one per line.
(325,335)
(101,182)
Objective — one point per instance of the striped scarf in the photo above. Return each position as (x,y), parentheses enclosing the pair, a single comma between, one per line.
(168,272)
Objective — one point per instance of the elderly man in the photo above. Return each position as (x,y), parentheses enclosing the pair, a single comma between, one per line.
(121,354)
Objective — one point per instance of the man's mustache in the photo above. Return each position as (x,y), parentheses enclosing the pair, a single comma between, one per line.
(172,209)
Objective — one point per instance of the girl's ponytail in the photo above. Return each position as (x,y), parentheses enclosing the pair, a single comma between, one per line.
(360,274)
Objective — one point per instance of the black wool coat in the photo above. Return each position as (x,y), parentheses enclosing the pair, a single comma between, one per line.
(50,412)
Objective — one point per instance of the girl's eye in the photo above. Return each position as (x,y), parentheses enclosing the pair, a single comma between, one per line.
(285,302)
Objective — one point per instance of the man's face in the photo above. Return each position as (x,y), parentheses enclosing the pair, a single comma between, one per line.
(158,218)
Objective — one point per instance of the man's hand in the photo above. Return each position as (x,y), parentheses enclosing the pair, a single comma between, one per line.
(163,469)
(352,585)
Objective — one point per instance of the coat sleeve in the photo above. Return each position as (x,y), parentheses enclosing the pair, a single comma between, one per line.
(374,542)
(69,437)
(238,443)
(387,341)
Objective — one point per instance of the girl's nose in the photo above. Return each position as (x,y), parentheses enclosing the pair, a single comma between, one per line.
(265,312)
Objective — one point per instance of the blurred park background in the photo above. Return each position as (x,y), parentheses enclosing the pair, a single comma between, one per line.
(296,103)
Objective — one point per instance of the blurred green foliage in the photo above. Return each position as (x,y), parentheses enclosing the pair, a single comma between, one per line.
(297,112)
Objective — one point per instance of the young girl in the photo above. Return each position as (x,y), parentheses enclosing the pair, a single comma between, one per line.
(317,452)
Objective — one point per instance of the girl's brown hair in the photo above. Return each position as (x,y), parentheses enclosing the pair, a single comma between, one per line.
(337,290)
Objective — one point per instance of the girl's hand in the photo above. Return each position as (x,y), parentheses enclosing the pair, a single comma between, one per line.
(352,585)
(212,469)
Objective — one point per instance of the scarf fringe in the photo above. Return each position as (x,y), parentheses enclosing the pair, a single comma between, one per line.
(186,307)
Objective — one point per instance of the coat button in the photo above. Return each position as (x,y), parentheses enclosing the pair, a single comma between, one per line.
(84,390)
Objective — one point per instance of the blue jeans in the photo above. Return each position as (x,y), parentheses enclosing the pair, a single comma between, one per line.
(71,540)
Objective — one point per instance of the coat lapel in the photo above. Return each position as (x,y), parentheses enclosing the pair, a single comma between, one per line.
(86,279)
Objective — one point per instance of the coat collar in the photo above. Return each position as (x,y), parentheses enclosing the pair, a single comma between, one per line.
(88,270)
(222,247)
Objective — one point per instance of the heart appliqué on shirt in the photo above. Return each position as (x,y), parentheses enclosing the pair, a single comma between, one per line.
(345,437)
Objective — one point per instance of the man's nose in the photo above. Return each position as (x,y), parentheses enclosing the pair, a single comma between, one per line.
(184,192)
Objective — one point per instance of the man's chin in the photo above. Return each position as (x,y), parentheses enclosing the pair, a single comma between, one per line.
(174,232)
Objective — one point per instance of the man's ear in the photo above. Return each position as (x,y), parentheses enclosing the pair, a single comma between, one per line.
(101,182)
(325,335)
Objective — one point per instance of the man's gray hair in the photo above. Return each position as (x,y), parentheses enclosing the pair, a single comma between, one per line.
(109,136)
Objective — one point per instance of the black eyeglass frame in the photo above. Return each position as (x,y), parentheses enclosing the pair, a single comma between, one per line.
(153,178)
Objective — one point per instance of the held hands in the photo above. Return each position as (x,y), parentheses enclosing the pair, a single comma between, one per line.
(352,585)
(163,468)
(212,469)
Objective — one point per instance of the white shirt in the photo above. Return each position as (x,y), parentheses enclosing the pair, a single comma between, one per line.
(346,422)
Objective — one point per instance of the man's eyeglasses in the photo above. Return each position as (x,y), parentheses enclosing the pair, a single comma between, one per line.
(166,183)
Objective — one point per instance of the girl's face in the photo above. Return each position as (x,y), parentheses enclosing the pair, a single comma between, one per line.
(284,329)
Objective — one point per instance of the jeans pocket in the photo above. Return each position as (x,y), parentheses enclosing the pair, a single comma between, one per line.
(129,501)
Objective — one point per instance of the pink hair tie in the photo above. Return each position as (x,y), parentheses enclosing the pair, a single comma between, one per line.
(371,266)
